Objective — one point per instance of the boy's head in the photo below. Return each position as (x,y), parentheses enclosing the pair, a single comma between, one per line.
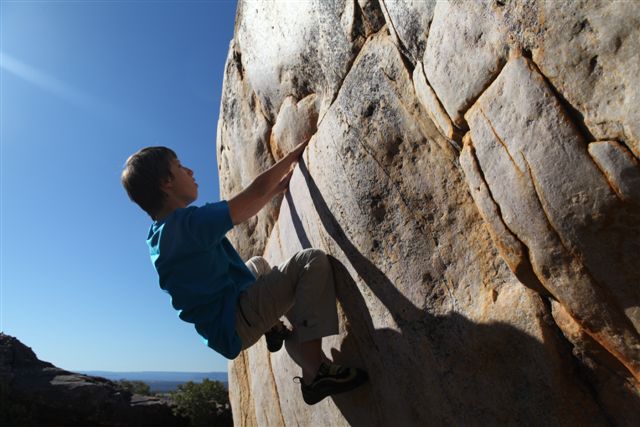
(144,176)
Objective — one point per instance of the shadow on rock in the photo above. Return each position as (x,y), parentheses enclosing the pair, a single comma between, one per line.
(443,369)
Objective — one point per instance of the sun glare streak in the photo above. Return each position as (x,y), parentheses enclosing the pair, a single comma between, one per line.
(50,84)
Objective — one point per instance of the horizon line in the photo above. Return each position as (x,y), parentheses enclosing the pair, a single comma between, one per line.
(178,372)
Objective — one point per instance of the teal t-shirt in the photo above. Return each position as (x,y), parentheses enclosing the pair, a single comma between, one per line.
(203,273)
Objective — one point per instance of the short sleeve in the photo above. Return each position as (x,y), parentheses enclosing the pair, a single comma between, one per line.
(209,223)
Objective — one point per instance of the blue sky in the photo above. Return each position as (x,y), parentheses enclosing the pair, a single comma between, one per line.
(83,85)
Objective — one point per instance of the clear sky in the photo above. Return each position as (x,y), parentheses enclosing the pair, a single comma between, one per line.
(84,84)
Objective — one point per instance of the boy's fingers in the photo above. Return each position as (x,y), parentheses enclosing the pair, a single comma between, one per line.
(288,177)
(284,183)
(302,145)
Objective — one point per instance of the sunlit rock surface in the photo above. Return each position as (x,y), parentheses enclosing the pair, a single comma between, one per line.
(473,172)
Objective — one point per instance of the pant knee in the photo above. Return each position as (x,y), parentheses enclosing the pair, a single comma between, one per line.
(314,259)
(314,253)
(258,266)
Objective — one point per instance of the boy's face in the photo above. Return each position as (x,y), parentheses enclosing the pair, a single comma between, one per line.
(183,186)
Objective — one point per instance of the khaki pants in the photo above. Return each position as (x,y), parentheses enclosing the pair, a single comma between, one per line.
(301,288)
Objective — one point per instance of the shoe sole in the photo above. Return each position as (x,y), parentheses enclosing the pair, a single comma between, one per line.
(345,387)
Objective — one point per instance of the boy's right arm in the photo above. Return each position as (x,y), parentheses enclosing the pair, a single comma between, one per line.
(264,187)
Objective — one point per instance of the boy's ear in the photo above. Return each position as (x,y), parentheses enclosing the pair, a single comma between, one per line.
(166,185)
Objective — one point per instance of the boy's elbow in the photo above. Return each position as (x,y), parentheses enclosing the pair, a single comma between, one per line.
(237,216)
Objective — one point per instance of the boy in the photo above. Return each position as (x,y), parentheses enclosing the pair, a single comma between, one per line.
(232,304)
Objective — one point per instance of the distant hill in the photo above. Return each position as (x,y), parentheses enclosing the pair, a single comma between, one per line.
(161,381)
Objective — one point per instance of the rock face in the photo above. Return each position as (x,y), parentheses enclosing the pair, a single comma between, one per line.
(474,173)
(33,392)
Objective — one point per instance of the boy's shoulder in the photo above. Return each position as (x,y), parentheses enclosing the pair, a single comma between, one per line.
(192,226)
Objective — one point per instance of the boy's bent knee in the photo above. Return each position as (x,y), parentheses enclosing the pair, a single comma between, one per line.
(312,253)
(314,258)
(258,266)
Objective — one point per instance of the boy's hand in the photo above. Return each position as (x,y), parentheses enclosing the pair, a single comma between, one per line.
(271,182)
(284,183)
(295,154)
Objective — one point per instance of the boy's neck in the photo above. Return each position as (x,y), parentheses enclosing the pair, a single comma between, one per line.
(169,207)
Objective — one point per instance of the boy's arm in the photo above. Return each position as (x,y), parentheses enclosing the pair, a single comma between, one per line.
(264,187)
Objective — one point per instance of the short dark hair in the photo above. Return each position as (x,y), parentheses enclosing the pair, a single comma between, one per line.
(143,174)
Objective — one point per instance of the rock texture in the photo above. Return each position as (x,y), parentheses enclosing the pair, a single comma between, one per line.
(33,392)
(473,172)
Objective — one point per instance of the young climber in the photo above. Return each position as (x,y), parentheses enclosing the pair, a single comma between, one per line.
(230,303)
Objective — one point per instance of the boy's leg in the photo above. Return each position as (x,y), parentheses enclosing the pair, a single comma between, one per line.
(278,333)
(314,315)
(308,355)
(307,280)
(249,324)
(258,266)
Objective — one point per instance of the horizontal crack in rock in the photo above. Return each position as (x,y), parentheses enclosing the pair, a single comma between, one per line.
(464,125)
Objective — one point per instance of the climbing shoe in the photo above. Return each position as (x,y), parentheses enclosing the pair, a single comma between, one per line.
(276,336)
(331,379)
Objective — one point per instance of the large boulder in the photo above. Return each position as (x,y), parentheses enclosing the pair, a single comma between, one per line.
(474,175)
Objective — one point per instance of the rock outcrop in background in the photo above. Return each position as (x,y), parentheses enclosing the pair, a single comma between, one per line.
(473,171)
(36,393)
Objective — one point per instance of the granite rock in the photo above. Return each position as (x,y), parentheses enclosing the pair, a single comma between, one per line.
(295,49)
(431,104)
(558,203)
(620,168)
(243,128)
(481,280)
(408,22)
(281,52)
(296,122)
(594,64)
(465,50)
